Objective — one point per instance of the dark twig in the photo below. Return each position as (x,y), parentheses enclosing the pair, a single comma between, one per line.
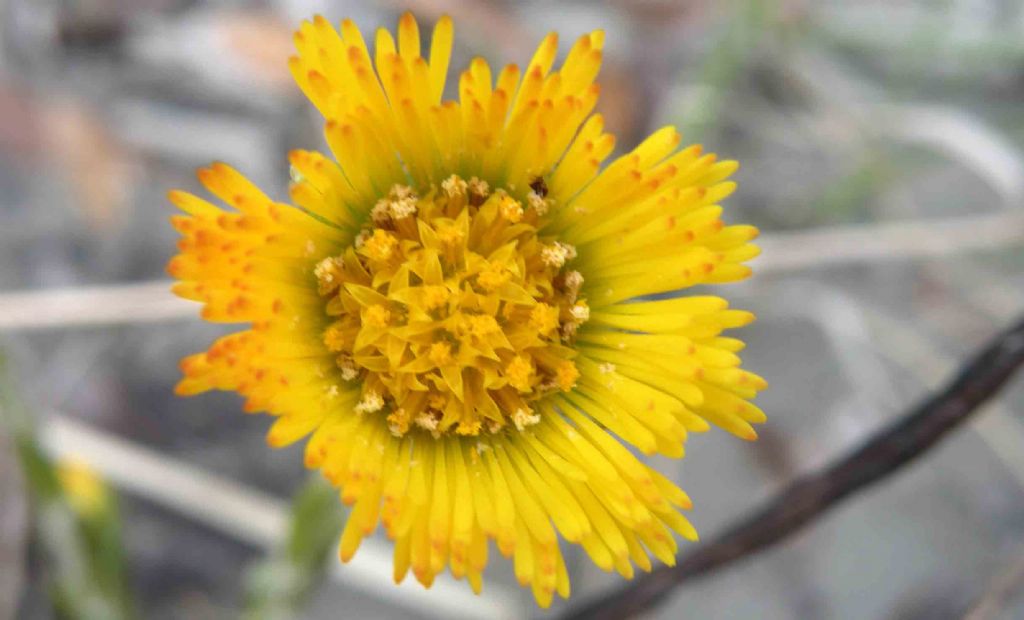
(811,496)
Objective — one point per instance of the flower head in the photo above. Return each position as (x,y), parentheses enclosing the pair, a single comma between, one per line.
(457,312)
(84,489)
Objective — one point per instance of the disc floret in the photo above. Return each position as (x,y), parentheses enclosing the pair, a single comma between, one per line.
(452,308)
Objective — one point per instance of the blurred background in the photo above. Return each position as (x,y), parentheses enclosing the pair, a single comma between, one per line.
(882,155)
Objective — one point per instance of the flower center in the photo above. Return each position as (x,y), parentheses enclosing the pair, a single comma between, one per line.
(452,311)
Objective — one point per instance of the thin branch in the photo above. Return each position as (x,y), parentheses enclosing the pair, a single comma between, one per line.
(90,306)
(152,301)
(259,519)
(889,241)
(811,496)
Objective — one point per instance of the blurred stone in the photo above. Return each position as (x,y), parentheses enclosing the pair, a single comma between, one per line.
(237,54)
(99,167)
(196,137)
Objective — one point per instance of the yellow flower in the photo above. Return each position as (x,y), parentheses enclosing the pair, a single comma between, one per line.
(82,486)
(456,309)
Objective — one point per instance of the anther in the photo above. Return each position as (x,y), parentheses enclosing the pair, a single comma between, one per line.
(377,316)
(538,203)
(370,402)
(510,208)
(556,254)
(478,189)
(580,312)
(523,418)
(454,186)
